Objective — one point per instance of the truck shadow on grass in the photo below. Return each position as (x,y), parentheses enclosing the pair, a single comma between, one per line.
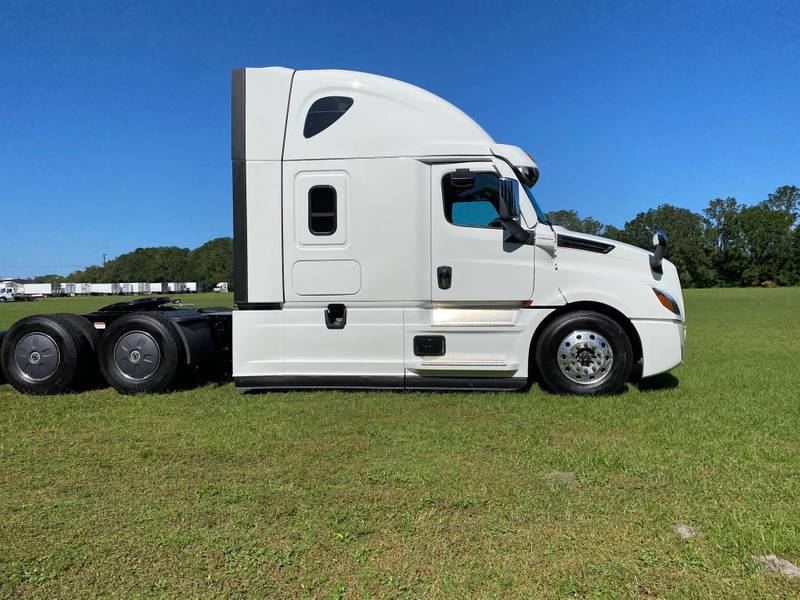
(193,377)
(663,381)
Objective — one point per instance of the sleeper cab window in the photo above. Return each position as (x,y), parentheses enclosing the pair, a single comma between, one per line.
(472,203)
(322,210)
(324,113)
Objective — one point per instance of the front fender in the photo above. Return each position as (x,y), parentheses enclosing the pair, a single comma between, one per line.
(614,281)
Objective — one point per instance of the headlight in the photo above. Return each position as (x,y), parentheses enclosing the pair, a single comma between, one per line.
(667,301)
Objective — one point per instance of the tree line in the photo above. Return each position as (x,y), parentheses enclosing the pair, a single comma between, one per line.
(728,244)
(207,265)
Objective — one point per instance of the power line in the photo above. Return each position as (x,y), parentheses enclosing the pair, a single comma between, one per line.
(6,266)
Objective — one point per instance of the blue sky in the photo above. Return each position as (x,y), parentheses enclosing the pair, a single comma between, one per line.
(115,116)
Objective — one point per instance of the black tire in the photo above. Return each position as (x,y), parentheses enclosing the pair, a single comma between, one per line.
(160,359)
(41,355)
(600,376)
(84,326)
(3,299)
(89,338)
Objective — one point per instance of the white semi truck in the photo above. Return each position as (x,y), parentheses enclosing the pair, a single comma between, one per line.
(382,239)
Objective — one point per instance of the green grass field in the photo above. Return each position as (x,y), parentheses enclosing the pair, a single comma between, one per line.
(209,492)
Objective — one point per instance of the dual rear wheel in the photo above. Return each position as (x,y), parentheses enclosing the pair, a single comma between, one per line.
(53,354)
(50,354)
(141,353)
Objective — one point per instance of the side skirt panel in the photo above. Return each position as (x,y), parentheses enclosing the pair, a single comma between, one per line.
(345,382)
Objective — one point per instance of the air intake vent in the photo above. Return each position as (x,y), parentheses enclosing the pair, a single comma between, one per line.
(576,243)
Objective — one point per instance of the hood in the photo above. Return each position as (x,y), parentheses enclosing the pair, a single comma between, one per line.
(593,267)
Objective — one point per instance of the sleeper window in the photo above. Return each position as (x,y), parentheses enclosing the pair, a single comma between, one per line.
(322,210)
(324,113)
(474,204)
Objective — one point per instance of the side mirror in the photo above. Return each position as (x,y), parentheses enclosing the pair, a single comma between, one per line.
(660,243)
(509,210)
(509,197)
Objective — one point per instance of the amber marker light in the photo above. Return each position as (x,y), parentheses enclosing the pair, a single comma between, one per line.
(667,301)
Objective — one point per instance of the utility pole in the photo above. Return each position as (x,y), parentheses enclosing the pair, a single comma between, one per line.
(104,259)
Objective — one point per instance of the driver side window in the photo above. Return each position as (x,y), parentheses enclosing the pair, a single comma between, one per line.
(473,204)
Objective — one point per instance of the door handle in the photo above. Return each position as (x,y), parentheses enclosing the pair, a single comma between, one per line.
(336,316)
(444,275)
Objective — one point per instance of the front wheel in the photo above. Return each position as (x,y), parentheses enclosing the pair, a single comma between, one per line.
(585,353)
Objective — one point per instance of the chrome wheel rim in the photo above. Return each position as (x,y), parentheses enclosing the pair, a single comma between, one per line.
(585,357)
(37,356)
(137,355)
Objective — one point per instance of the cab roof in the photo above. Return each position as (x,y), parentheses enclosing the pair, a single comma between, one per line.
(366,116)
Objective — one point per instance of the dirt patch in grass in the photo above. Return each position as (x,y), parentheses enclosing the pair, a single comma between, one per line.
(777,566)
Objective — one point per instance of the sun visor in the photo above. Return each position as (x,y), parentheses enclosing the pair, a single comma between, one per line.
(514,155)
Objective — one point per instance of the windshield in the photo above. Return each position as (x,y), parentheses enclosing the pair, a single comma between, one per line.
(540,214)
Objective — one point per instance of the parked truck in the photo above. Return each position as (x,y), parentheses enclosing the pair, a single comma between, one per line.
(7,293)
(382,240)
(12,293)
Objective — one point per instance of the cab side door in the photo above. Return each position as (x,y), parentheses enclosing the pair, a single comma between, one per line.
(473,258)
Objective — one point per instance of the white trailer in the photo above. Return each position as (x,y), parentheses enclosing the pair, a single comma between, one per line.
(102,289)
(68,289)
(178,287)
(126,288)
(155,288)
(191,287)
(140,288)
(382,239)
(83,289)
(37,289)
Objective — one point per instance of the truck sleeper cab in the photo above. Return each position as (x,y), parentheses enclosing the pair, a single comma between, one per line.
(384,240)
